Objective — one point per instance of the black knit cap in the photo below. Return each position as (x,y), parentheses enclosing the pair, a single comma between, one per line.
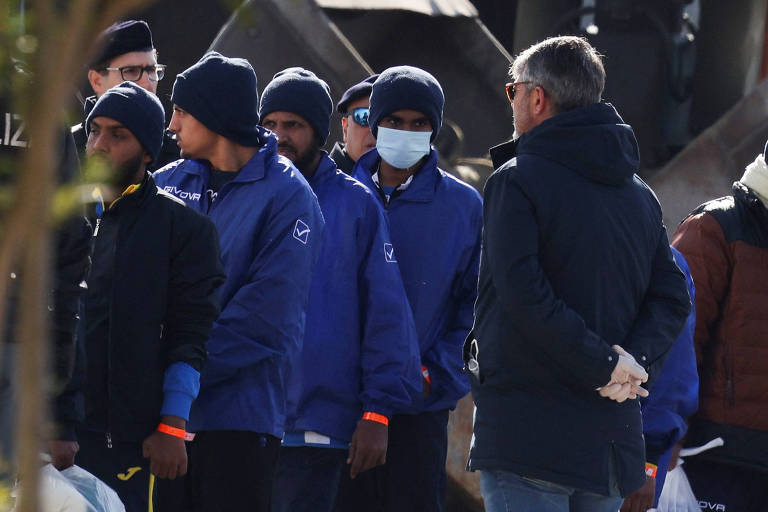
(121,38)
(407,88)
(356,92)
(300,91)
(135,108)
(221,93)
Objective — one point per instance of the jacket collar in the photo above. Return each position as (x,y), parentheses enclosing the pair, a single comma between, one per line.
(325,168)
(146,189)
(253,170)
(742,193)
(503,152)
(341,157)
(421,189)
(88,105)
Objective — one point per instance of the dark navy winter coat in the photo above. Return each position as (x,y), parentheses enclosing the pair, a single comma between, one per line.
(435,226)
(674,395)
(575,259)
(270,228)
(360,350)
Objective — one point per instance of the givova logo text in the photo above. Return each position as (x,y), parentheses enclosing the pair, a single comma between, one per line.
(182,194)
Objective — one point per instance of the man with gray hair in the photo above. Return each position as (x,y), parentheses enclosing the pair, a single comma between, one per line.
(579,296)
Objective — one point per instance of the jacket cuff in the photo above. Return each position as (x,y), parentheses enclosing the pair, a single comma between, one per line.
(653,455)
(180,388)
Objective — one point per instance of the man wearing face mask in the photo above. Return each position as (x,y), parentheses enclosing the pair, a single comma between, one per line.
(435,222)
(354,109)
(359,361)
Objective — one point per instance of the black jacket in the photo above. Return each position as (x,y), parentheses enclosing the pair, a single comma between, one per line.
(343,161)
(69,265)
(575,259)
(151,302)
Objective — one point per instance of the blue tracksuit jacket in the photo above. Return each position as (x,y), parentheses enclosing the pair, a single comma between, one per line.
(675,394)
(360,347)
(435,226)
(270,228)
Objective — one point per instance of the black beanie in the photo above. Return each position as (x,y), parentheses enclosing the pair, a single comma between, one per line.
(357,91)
(138,110)
(300,91)
(221,93)
(407,88)
(121,38)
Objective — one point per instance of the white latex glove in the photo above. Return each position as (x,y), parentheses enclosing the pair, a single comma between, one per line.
(627,370)
(626,379)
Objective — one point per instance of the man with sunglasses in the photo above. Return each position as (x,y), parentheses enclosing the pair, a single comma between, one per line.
(359,363)
(126,53)
(579,297)
(354,109)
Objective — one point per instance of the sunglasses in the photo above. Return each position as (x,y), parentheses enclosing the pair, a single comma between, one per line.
(510,88)
(360,115)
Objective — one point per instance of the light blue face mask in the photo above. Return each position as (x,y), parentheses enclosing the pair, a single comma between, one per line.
(402,149)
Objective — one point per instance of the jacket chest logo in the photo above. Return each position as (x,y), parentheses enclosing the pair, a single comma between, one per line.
(182,194)
(389,253)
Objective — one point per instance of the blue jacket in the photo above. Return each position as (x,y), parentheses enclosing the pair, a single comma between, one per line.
(575,259)
(675,394)
(360,348)
(435,226)
(270,227)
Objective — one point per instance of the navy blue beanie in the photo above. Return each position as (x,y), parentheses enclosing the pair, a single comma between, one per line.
(222,94)
(357,91)
(121,38)
(135,108)
(299,91)
(407,88)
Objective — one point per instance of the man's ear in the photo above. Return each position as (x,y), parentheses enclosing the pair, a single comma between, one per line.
(96,80)
(542,104)
(147,158)
(344,125)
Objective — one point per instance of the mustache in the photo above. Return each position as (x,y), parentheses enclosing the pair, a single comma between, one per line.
(287,147)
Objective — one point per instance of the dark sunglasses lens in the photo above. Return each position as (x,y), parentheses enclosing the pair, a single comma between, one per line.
(360,116)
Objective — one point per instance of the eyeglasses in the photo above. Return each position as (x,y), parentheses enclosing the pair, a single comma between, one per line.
(510,88)
(360,115)
(134,73)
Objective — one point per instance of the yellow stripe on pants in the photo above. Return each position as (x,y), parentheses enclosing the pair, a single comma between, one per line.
(151,491)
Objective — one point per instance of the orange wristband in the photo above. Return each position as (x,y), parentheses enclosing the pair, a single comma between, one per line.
(651,469)
(175,432)
(425,373)
(378,418)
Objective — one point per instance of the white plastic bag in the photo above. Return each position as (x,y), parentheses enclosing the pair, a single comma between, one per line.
(677,495)
(98,494)
(57,494)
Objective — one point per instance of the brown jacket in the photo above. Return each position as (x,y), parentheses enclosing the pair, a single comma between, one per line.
(726,244)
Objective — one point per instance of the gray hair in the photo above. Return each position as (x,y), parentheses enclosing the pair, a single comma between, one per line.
(568,68)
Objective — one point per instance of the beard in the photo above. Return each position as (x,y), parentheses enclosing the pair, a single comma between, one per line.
(125,174)
(303,159)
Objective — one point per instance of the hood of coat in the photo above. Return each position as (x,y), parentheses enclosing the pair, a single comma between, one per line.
(593,141)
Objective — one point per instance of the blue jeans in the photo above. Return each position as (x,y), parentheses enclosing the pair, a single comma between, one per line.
(504,491)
